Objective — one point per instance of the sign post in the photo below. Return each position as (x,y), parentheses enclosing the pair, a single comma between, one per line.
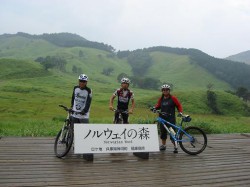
(115,138)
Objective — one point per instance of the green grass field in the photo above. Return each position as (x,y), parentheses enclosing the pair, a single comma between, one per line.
(30,96)
(29,108)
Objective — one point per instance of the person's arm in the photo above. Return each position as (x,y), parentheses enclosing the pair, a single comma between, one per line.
(88,102)
(158,104)
(73,98)
(177,104)
(111,102)
(132,106)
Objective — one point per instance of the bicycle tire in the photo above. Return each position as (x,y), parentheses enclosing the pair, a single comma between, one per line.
(65,143)
(118,120)
(198,142)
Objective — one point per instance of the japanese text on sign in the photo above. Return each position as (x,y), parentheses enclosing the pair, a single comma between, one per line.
(110,138)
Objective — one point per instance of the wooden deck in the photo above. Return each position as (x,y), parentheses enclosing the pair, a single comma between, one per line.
(31,162)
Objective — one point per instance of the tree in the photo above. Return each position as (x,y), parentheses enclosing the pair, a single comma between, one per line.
(39,59)
(210,86)
(81,54)
(74,69)
(48,65)
(107,71)
(140,62)
(52,62)
(243,93)
(212,102)
(123,54)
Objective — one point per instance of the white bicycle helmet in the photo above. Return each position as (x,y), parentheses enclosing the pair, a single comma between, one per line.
(165,86)
(125,80)
(83,77)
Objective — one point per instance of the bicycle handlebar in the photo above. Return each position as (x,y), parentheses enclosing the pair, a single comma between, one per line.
(185,118)
(159,112)
(69,109)
(121,111)
(64,107)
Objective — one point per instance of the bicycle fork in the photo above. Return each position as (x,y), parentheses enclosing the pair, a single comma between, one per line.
(64,135)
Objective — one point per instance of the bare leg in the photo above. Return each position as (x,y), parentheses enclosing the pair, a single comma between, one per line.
(163,142)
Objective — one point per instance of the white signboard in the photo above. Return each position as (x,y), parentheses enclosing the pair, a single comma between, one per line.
(115,138)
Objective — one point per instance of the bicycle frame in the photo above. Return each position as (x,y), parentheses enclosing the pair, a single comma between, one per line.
(120,112)
(65,136)
(191,139)
(178,128)
(66,123)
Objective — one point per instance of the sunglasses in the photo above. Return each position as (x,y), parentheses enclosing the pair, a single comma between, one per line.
(165,89)
(82,81)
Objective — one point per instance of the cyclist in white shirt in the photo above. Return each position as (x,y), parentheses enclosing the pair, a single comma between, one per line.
(81,100)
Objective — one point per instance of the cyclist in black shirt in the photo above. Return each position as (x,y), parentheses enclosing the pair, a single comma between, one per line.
(167,103)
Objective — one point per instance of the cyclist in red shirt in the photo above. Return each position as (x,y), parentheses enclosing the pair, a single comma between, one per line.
(167,103)
(124,96)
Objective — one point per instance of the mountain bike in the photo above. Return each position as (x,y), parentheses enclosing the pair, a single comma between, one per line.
(191,139)
(118,119)
(65,136)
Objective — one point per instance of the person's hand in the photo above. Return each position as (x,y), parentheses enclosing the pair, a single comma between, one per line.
(179,114)
(111,108)
(82,113)
(131,111)
(153,109)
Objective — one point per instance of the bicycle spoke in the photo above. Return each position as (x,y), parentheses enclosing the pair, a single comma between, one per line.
(63,146)
(64,138)
(194,144)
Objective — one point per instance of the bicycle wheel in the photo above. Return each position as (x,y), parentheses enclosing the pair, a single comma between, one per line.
(63,142)
(118,119)
(193,141)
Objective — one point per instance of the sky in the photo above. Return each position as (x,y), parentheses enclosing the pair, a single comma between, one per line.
(219,28)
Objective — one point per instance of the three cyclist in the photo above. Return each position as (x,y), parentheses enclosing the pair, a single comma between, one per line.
(124,95)
(82,97)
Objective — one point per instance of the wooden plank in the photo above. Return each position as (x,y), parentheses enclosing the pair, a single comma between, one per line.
(30,161)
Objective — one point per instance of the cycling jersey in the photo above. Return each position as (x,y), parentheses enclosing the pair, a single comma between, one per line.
(168,106)
(124,97)
(80,102)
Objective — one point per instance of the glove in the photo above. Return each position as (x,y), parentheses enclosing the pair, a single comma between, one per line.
(179,114)
(82,112)
(153,109)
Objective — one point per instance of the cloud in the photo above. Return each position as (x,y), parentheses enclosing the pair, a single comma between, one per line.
(217,27)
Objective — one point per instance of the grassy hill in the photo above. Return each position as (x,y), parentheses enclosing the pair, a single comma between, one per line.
(241,57)
(30,95)
(169,67)
(182,73)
